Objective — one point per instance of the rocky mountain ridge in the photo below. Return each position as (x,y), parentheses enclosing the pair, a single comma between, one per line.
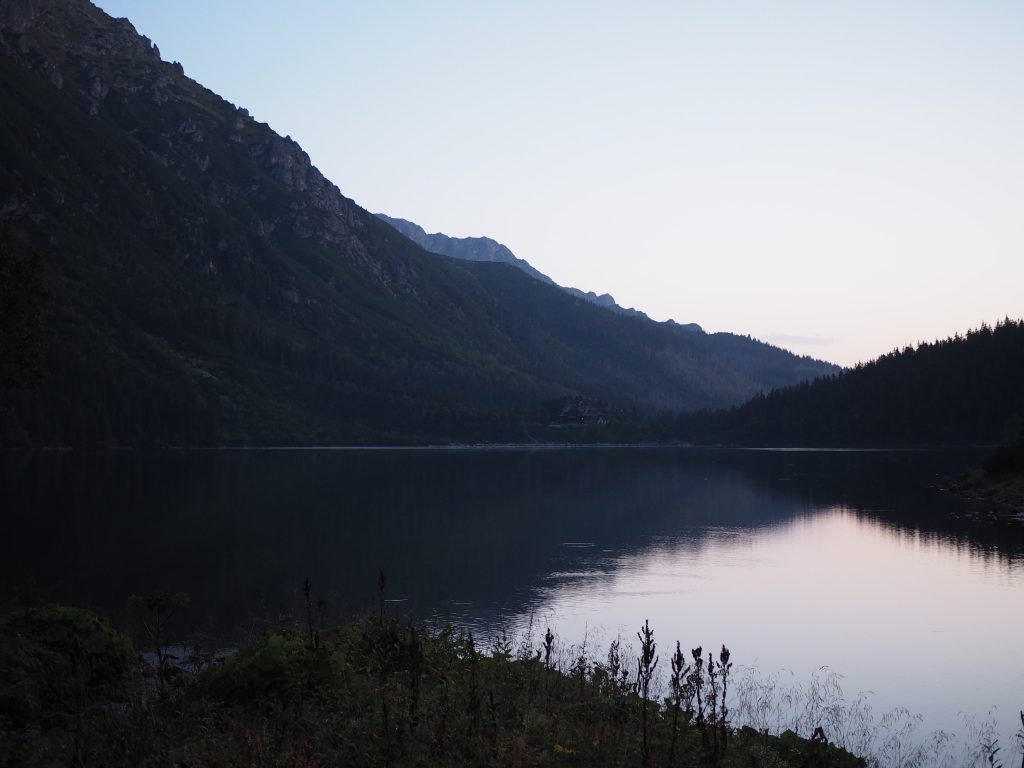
(210,286)
(486,249)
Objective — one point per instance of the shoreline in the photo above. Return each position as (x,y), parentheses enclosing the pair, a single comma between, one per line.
(1003,499)
(495,447)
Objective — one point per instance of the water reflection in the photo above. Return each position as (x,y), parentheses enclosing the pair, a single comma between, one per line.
(240,530)
(854,560)
(916,618)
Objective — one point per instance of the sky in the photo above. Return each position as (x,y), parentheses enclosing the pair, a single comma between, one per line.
(837,178)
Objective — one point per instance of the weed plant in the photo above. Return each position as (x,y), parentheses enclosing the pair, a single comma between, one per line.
(380,692)
(374,692)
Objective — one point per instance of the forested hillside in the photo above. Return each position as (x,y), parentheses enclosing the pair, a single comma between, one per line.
(207,285)
(963,390)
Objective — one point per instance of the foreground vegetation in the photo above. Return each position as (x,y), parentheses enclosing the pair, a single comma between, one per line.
(73,691)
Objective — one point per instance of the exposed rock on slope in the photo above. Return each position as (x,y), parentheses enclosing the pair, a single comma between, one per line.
(486,249)
(209,285)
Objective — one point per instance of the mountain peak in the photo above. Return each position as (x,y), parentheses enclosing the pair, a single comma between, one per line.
(466,248)
(486,249)
(115,76)
(59,30)
(210,286)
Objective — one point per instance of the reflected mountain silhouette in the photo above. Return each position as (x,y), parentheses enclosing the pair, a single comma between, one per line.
(460,532)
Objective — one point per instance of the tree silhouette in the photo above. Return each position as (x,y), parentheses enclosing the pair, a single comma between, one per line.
(968,389)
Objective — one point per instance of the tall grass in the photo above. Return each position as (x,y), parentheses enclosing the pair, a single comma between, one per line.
(707,694)
(382,692)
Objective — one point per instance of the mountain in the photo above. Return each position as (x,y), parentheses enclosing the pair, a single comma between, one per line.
(467,248)
(486,249)
(209,286)
(968,389)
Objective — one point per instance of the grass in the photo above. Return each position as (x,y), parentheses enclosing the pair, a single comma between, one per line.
(374,692)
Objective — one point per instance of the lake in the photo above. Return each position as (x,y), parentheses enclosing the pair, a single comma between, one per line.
(796,560)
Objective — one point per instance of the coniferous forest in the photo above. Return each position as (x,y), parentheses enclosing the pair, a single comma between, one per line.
(964,390)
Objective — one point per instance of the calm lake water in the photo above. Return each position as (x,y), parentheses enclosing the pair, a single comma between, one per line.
(795,560)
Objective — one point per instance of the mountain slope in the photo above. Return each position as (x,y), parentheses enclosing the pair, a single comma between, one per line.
(964,390)
(466,248)
(209,285)
(486,249)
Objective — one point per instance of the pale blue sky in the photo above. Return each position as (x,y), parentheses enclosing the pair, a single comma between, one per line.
(838,177)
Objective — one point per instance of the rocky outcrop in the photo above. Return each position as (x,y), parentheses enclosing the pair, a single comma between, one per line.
(98,59)
(486,249)
(16,15)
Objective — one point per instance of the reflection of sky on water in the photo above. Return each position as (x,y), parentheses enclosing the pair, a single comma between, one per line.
(920,620)
(793,559)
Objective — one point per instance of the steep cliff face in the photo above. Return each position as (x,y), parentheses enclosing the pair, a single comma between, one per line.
(109,72)
(209,285)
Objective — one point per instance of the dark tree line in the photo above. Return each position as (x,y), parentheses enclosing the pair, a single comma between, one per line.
(967,389)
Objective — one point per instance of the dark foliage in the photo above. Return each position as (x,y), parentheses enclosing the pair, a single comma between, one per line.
(1007,461)
(372,693)
(56,661)
(964,390)
(22,296)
